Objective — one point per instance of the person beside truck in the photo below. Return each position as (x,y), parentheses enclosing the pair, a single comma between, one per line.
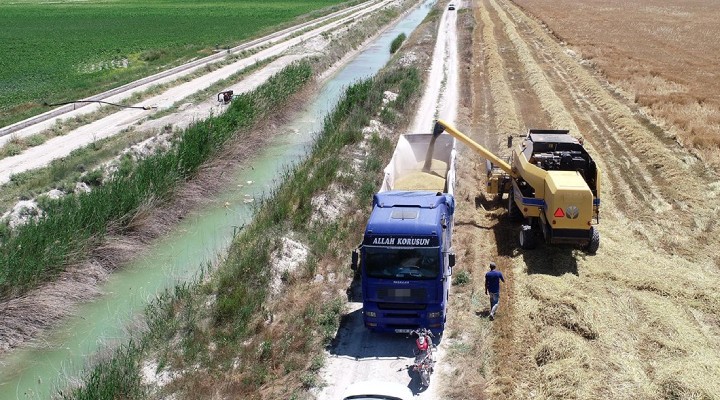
(492,287)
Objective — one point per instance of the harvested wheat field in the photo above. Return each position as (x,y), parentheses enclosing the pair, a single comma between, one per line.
(662,54)
(641,318)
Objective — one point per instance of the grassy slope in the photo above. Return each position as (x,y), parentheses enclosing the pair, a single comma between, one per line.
(38,251)
(63,51)
(229,312)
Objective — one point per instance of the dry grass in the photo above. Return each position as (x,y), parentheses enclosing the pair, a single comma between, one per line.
(25,317)
(469,336)
(80,283)
(283,352)
(500,90)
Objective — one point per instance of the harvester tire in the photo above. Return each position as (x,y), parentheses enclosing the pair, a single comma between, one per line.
(592,247)
(527,238)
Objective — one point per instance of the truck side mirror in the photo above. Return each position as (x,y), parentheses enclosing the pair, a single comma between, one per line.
(451,259)
(354,263)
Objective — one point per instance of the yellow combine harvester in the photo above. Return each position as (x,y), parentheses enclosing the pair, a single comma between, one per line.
(551,181)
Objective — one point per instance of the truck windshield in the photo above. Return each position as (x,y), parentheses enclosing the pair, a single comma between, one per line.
(405,263)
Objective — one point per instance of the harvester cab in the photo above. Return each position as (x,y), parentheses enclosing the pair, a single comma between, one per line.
(551,182)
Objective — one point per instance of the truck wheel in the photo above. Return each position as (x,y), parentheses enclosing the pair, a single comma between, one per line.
(592,247)
(512,209)
(527,238)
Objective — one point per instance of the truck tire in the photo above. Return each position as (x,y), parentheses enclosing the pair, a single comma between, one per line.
(513,211)
(527,238)
(592,247)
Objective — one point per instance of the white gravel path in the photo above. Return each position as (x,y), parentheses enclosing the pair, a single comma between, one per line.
(359,354)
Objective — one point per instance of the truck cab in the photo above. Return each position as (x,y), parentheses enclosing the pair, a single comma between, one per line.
(406,261)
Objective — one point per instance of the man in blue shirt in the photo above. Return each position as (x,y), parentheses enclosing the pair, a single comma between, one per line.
(492,285)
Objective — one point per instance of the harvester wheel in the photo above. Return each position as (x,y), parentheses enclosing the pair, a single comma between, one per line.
(594,244)
(527,238)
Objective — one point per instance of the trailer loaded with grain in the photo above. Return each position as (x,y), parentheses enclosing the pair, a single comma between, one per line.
(406,259)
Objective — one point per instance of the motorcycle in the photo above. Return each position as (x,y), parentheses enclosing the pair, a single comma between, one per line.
(424,362)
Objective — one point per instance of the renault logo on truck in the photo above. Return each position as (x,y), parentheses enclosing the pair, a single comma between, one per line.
(572,212)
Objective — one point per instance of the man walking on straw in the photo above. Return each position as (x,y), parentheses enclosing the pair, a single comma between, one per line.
(492,286)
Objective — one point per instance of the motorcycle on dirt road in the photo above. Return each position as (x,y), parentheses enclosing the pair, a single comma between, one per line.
(423,351)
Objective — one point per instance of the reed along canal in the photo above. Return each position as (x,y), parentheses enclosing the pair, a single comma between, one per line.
(34,371)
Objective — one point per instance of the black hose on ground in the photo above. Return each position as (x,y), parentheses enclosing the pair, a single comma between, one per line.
(98,101)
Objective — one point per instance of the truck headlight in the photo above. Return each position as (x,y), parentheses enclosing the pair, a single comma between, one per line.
(370,314)
(434,315)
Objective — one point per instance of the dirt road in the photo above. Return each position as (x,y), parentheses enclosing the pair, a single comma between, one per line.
(360,355)
(637,320)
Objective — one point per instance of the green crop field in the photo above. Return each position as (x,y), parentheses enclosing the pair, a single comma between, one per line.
(63,50)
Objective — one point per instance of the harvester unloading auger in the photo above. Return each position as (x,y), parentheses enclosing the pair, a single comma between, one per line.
(551,181)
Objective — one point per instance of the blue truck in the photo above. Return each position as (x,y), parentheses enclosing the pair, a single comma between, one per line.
(405,260)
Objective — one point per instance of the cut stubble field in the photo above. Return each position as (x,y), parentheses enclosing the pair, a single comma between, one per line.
(661,54)
(66,51)
(639,319)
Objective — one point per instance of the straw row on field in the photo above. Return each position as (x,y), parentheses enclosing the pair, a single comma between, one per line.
(471,341)
(558,113)
(505,107)
(550,101)
(548,359)
(657,168)
(633,319)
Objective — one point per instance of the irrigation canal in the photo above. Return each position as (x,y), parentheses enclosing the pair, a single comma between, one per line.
(34,372)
